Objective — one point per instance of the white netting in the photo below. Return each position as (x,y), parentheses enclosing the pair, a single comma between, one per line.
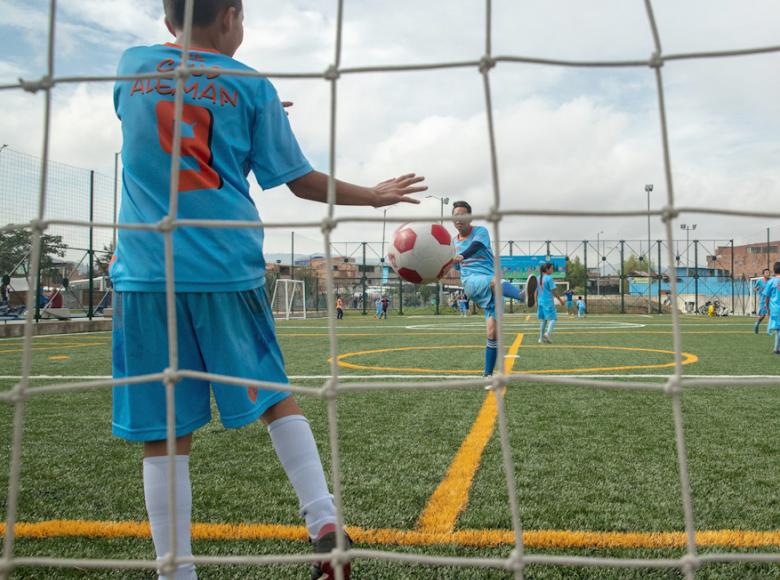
(332,388)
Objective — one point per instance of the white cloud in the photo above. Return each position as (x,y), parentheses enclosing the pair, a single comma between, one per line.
(567,138)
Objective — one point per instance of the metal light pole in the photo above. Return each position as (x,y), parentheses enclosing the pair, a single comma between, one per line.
(648,189)
(444,201)
(598,252)
(382,257)
(687,229)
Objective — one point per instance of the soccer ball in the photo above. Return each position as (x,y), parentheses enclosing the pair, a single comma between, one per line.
(420,253)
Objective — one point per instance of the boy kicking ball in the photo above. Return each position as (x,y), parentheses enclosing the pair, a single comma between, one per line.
(474,260)
(231,124)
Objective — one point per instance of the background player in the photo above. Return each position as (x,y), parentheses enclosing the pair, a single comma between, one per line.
(475,262)
(759,286)
(770,297)
(546,312)
(580,307)
(231,124)
(569,294)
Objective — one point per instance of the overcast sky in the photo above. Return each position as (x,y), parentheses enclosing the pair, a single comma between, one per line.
(566,138)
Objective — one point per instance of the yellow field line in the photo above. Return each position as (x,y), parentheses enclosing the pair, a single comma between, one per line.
(551,539)
(451,496)
(58,347)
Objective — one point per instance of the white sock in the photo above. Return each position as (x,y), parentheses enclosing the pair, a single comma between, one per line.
(294,444)
(156,493)
(550,325)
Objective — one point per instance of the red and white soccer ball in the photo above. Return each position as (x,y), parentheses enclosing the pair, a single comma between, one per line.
(420,253)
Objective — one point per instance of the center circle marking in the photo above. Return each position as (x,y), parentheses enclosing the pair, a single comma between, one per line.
(688,358)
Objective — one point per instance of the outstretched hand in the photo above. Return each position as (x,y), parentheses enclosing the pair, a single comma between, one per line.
(398,190)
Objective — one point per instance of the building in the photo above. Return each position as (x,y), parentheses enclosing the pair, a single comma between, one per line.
(749,259)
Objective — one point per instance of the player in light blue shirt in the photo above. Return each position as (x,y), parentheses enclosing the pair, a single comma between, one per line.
(759,286)
(770,296)
(231,125)
(580,307)
(474,260)
(545,312)
(569,302)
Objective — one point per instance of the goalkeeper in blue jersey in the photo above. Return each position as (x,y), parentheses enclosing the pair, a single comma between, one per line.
(231,125)
(474,260)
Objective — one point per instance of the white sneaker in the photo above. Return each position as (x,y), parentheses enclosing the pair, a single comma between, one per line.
(547,339)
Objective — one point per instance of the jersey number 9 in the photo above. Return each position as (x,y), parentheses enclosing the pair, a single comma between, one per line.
(198,146)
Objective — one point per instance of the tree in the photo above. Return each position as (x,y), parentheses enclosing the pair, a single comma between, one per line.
(576,275)
(15,247)
(103,259)
(633,264)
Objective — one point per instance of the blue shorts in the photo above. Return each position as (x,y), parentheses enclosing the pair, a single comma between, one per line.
(774,320)
(762,309)
(477,288)
(229,333)
(546,312)
(569,305)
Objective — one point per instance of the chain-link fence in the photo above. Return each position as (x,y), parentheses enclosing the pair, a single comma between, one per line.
(73,280)
(612,276)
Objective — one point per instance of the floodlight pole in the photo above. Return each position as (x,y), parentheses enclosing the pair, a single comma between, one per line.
(767,250)
(598,253)
(443,201)
(363,280)
(648,189)
(90,292)
(688,229)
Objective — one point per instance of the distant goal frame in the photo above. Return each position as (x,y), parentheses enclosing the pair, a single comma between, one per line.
(291,289)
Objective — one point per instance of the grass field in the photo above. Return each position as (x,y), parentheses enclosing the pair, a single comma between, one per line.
(596,470)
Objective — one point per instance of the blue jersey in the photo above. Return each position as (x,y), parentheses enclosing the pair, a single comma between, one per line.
(760,284)
(231,125)
(546,290)
(581,305)
(480,263)
(569,296)
(771,290)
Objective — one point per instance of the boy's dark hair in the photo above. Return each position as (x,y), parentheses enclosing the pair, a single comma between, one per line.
(204,12)
(777,267)
(579,297)
(458,204)
(767,269)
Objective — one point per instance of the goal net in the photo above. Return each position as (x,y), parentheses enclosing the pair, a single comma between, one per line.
(289,300)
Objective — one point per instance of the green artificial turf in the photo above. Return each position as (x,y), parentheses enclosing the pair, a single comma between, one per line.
(584,459)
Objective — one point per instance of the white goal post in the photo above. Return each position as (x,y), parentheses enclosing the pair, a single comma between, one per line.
(755,299)
(288,301)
